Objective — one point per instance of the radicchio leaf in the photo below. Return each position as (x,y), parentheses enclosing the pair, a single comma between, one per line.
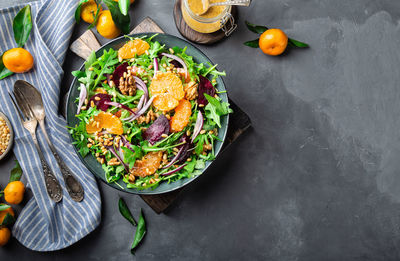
(159,127)
(119,72)
(186,149)
(101,104)
(176,64)
(205,86)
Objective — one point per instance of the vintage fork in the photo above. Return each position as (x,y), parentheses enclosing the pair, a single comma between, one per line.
(30,123)
(74,187)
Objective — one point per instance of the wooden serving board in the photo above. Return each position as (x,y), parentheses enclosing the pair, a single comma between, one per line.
(239,122)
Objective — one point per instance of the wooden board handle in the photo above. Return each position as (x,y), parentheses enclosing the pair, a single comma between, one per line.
(87,42)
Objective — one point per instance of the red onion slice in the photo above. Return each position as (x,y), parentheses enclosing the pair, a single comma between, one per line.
(174,170)
(112,150)
(141,85)
(140,105)
(198,126)
(141,102)
(179,60)
(120,152)
(127,143)
(119,105)
(143,110)
(155,66)
(82,97)
(175,159)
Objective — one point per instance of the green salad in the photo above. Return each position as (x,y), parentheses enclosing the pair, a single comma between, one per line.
(148,113)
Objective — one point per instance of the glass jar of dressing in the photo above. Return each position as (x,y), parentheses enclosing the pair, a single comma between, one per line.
(216,17)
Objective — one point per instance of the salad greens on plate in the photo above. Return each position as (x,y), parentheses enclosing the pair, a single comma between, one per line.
(148,113)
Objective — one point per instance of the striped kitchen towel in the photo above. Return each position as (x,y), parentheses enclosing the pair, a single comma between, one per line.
(43,225)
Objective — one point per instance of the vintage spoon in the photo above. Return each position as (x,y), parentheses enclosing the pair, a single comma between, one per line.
(34,98)
(207,4)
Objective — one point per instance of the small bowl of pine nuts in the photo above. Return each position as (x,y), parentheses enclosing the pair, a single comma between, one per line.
(6,135)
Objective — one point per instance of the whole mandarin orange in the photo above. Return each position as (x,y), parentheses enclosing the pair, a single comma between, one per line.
(106,26)
(89,10)
(18,60)
(5,235)
(273,42)
(14,192)
(5,212)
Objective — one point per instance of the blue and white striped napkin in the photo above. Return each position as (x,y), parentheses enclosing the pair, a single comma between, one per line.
(43,225)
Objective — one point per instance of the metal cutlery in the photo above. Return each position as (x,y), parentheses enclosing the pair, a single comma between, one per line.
(30,123)
(23,90)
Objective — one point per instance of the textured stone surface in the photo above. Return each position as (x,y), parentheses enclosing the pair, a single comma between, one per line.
(317,178)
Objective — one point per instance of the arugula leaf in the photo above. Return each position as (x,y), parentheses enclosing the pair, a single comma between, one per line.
(125,212)
(22,25)
(78,10)
(103,65)
(258,29)
(4,72)
(4,206)
(130,156)
(120,20)
(200,164)
(295,43)
(253,43)
(140,232)
(215,109)
(190,166)
(90,60)
(124,6)
(16,172)
(211,112)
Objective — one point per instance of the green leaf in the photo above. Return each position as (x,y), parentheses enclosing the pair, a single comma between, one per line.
(90,60)
(258,29)
(140,232)
(3,206)
(16,172)
(120,20)
(215,109)
(252,44)
(4,72)
(78,10)
(211,112)
(295,43)
(125,212)
(22,25)
(8,220)
(96,17)
(124,6)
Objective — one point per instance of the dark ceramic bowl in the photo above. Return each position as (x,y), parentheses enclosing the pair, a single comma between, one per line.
(90,161)
(10,142)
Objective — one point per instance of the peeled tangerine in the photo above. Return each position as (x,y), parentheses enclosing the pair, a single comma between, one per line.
(148,165)
(132,48)
(182,115)
(107,121)
(168,89)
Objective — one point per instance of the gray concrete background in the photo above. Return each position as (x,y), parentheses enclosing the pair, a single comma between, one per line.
(317,178)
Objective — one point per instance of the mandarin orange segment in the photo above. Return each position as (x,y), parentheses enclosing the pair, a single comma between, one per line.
(105,120)
(169,90)
(132,48)
(148,165)
(181,117)
(165,102)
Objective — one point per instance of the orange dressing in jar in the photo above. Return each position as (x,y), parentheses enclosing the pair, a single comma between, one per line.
(211,21)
